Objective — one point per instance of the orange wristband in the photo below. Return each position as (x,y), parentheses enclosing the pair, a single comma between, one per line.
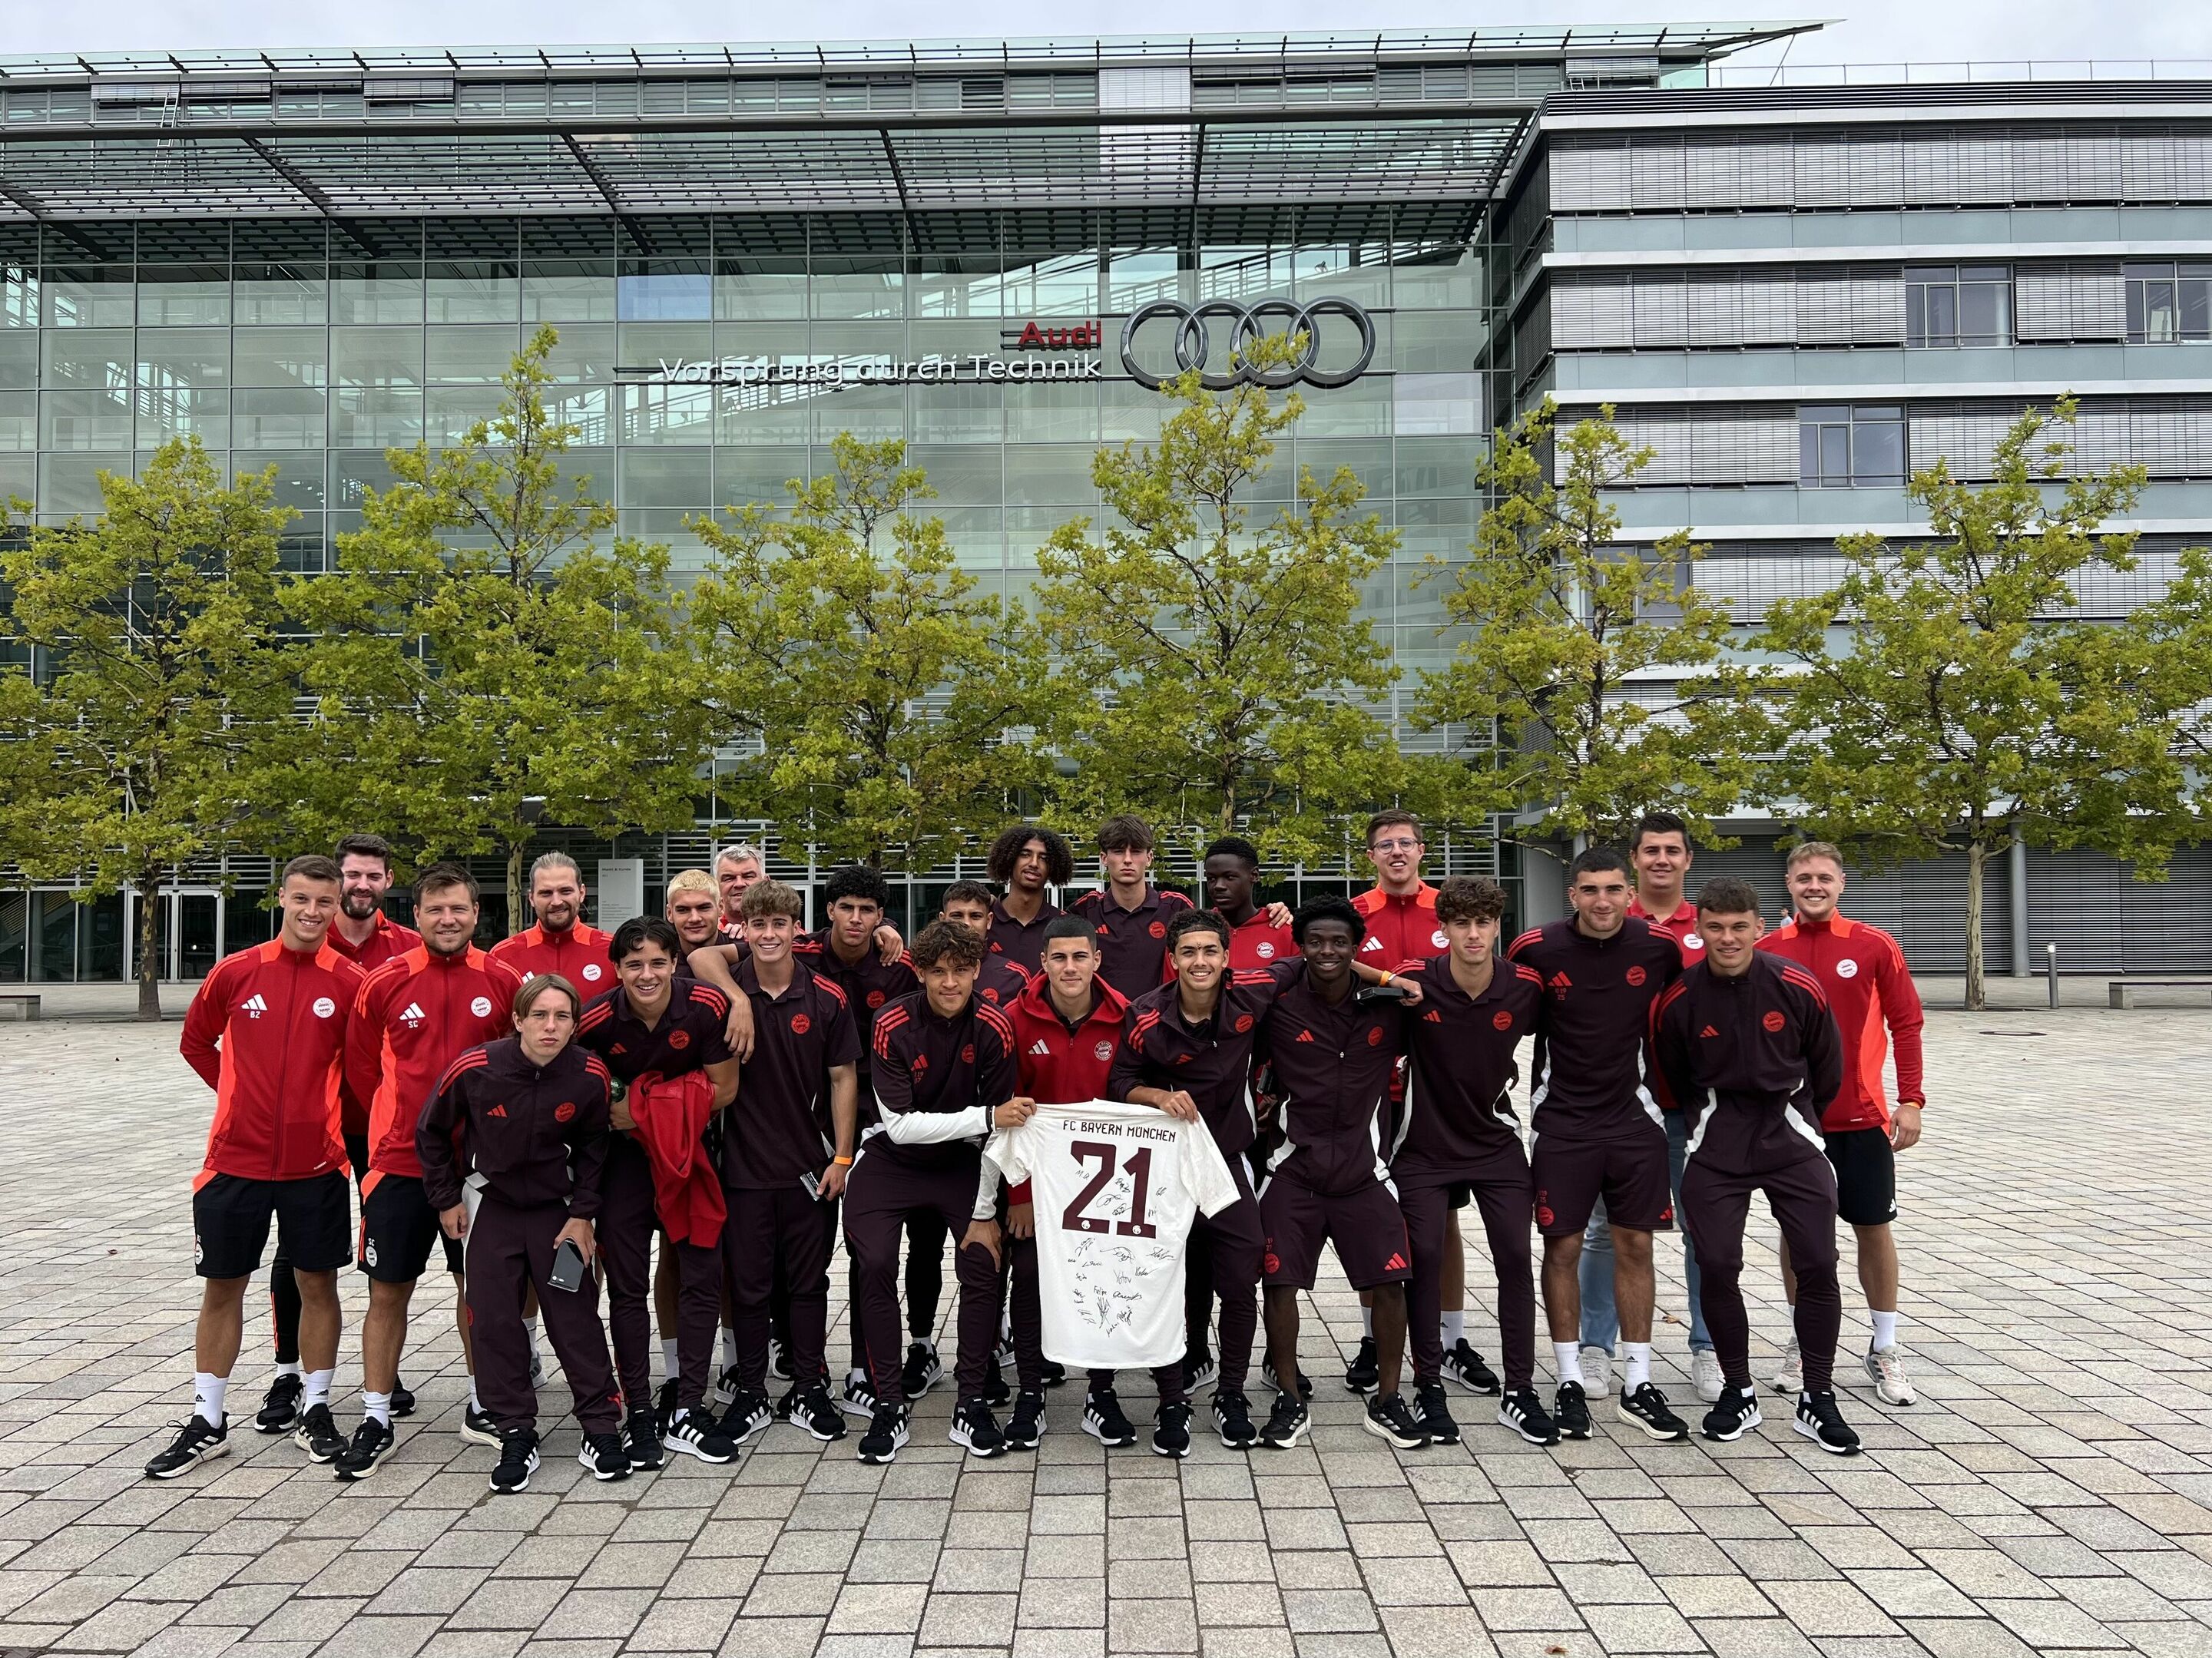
(843,1163)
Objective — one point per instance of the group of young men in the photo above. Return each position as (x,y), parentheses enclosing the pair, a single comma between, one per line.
(752,1091)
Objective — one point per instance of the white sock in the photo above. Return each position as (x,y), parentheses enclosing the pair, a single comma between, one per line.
(319,1388)
(1367,1322)
(1636,1359)
(669,1362)
(1455,1329)
(377,1407)
(729,1347)
(1885,1330)
(207,1396)
(292,1368)
(1567,1359)
(475,1404)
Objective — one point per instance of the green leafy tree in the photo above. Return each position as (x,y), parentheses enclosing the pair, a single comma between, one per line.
(1945,696)
(167,676)
(1604,674)
(896,704)
(1225,667)
(485,661)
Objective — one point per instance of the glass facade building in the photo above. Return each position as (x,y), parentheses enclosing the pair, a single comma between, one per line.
(989,249)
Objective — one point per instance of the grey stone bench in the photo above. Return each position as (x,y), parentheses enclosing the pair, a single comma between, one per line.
(2120,992)
(17,1006)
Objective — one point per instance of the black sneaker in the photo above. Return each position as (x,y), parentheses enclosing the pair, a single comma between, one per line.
(1734,1415)
(1055,1373)
(478,1428)
(1361,1375)
(605,1458)
(1522,1412)
(370,1442)
(1820,1421)
(974,1426)
(518,1461)
(1464,1365)
(1199,1370)
(1571,1410)
(816,1412)
(1268,1370)
(778,1361)
(664,1400)
(1286,1424)
(1232,1419)
(859,1397)
(749,1416)
(1171,1432)
(1026,1426)
(1646,1408)
(696,1433)
(280,1406)
(1388,1419)
(922,1370)
(318,1435)
(1104,1420)
(1432,1414)
(403,1399)
(197,1441)
(995,1391)
(640,1441)
(886,1434)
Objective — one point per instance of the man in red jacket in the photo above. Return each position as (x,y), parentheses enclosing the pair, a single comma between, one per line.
(267,1032)
(368,937)
(1871,993)
(417,1013)
(560,940)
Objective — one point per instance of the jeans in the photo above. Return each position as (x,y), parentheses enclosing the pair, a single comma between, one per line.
(1600,1322)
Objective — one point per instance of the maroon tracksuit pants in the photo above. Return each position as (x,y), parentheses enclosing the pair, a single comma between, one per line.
(780,1237)
(628,1220)
(509,1249)
(1801,1192)
(1223,1259)
(879,1197)
(1507,1199)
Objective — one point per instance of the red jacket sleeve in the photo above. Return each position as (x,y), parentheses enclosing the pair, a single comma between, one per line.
(203,1027)
(1900,1008)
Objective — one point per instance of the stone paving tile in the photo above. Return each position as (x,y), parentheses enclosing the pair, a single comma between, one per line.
(2051,1493)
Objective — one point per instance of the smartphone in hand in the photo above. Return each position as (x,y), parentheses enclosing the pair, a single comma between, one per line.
(568,1266)
(810,1183)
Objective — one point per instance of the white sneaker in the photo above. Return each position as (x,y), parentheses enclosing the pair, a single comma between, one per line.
(1790,1374)
(1885,1368)
(1597,1372)
(1705,1374)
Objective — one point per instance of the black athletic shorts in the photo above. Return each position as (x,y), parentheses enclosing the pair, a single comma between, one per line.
(1630,1176)
(1866,1176)
(231,1216)
(397,1227)
(1365,1227)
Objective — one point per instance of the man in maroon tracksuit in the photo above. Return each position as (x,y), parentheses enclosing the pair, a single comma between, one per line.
(1458,1137)
(943,1066)
(521,1125)
(789,1142)
(1024,860)
(1746,1045)
(655,1025)
(1131,915)
(1067,1028)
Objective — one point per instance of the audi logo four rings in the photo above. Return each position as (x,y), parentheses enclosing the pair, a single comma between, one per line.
(1247,323)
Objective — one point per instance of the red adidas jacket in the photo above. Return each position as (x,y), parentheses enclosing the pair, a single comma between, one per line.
(1871,993)
(413,1016)
(580,956)
(1057,1066)
(267,1032)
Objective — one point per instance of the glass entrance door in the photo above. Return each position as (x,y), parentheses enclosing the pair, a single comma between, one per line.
(189,932)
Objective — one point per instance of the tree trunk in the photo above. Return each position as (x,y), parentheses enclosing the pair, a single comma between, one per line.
(1976,855)
(150,943)
(515,890)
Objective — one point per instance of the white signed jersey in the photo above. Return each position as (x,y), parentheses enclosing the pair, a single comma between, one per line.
(1115,1189)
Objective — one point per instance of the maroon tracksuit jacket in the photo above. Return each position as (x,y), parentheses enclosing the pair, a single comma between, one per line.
(1132,944)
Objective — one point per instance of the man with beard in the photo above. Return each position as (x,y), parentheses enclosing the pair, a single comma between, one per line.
(1024,860)
(560,940)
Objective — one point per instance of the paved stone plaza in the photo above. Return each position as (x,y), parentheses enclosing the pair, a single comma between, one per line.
(2052,1492)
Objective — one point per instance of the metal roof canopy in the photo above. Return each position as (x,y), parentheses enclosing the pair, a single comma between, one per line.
(1688,42)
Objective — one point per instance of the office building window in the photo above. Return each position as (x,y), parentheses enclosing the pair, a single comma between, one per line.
(1957,305)
(1841,446)
(2168,302)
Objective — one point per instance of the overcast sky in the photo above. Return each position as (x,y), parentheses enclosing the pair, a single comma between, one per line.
(1875,30)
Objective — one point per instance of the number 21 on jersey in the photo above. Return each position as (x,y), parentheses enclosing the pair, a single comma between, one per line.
(1077,1217)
